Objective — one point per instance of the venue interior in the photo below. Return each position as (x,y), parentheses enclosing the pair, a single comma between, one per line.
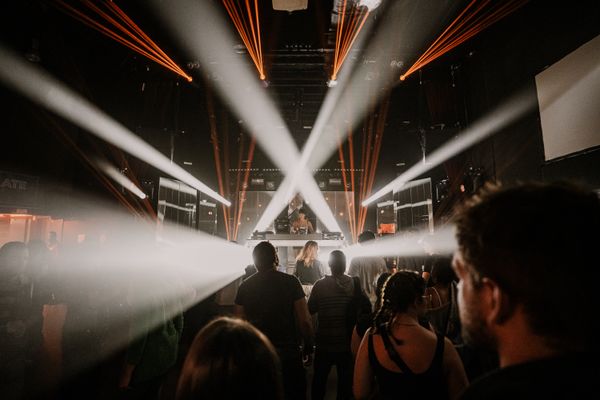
(148,146)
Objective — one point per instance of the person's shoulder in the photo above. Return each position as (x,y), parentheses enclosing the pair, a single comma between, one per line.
(320,281)
(557,378)
(254,282)
(370,331)
(502,384)
(283,275)
(485,387)
(324,281)
(288,278)
(319,285)
(251,280)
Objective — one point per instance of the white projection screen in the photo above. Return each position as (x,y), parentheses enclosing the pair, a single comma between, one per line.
(569,100)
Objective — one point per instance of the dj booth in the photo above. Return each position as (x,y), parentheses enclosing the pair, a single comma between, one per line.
(292,240)
(288,245)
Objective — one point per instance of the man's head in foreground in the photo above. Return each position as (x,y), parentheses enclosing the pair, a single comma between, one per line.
(527,267)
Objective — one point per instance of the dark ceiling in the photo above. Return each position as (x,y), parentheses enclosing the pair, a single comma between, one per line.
(161,107)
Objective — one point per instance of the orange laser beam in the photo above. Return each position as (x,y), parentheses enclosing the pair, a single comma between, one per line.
(462,29)
(125,18)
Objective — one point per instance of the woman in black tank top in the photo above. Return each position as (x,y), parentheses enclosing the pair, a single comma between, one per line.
(401,358)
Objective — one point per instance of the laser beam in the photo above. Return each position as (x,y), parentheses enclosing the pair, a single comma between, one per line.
(43,89)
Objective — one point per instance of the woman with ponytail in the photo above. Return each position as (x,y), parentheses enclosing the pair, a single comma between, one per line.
(402,357)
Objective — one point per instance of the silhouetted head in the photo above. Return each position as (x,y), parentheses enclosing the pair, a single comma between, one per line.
(13,258)
(531,250)
(265,256)
(442,272)
(366,236)
(230,359)
(402,292)
(337,262)
(302,213)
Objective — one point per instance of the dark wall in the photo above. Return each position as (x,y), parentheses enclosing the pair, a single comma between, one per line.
(504,60)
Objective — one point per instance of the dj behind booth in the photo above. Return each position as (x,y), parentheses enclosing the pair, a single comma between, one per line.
(294,226)
(297,219)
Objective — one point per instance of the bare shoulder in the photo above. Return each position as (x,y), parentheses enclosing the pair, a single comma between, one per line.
(450,353)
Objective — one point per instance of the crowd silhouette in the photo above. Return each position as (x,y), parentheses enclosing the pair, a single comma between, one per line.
(510,314)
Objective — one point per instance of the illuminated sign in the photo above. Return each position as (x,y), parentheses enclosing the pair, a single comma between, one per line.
(18,190)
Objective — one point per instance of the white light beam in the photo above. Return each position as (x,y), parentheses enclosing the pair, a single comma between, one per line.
(507,113)
(317,138)
(202,30)
(120,178)
(442,242)
(43,89)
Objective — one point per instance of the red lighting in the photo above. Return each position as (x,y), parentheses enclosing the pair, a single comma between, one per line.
(124,30)
(476,17)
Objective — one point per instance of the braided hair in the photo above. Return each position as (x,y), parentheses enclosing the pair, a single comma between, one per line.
(401,290)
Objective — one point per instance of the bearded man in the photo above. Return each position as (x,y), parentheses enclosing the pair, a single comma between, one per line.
(528,276)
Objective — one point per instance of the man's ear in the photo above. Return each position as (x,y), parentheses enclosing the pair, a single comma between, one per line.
(499,307)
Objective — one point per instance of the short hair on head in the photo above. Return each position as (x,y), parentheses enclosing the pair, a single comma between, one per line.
(526,238)
(230,359)
(265,256)
(337,262)
(302,211)
(365,236)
